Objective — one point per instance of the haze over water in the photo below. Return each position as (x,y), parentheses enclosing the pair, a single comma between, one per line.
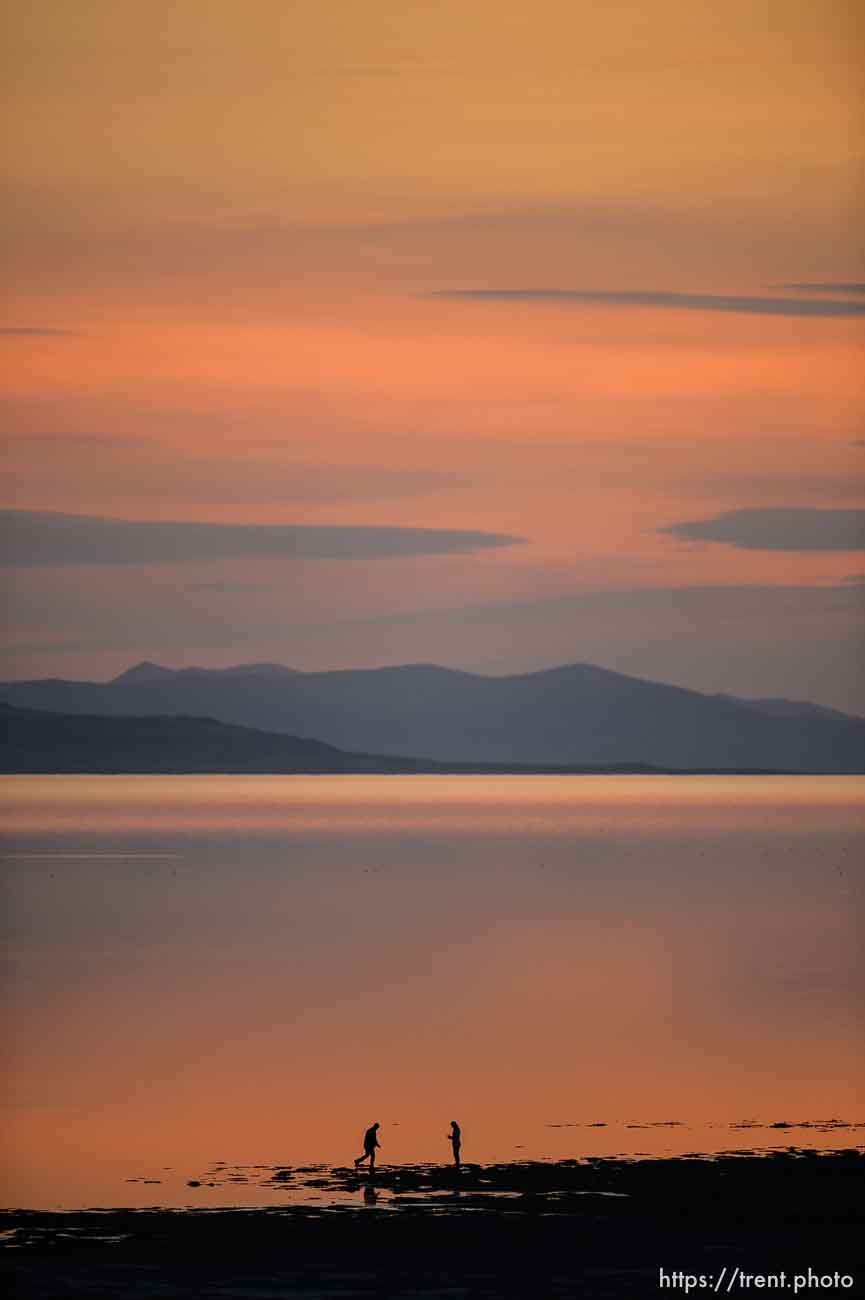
(252,970)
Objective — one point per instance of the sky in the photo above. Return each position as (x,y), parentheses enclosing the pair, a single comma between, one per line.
(467,331)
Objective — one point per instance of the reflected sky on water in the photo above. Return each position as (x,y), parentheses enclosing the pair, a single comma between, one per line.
(253,970)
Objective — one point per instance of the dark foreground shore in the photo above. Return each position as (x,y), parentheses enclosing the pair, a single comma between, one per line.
(733,1225)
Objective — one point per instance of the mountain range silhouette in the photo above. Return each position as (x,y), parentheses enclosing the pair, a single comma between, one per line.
(579,716)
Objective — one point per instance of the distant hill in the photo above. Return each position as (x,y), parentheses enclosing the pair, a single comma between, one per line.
(579,715)
(778,707)
(36,742)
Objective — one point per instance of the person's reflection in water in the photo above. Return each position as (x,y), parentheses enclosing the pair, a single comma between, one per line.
(455,1138)
(370,1142)
(369,1195)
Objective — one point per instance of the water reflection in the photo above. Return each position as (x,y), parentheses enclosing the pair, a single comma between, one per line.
(197,966)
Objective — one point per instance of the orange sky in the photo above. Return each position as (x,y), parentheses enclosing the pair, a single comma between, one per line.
(236,216)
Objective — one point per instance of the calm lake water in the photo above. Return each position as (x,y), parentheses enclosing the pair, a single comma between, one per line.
(249,971)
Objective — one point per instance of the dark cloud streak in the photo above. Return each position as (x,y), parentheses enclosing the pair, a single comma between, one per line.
(667,300)
(778,530)
(824,286)
(33,538)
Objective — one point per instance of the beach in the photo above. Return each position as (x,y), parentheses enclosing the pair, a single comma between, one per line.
(605,1228)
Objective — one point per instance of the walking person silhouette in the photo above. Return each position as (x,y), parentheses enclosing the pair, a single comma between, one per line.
(455,1138)
(370,1142)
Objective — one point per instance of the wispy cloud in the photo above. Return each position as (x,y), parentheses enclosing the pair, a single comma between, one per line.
(668,300)
(824,286)
(778,530)
(36,331)
(45,538)
(231,588)
(60,467)
(51,443)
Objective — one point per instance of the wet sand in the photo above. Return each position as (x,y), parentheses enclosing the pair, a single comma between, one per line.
(599,1228)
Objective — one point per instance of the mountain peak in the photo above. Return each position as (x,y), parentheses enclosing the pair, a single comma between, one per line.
(148,671)
(246,670)
(145,671)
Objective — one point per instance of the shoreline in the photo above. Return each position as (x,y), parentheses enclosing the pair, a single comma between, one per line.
(600,1228)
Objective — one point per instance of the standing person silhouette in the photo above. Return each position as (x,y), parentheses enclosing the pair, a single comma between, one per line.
(455,1138)
(370,1142)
